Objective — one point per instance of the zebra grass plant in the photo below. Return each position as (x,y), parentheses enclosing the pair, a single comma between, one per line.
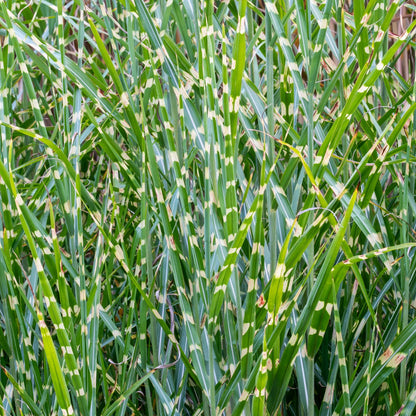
(207,207)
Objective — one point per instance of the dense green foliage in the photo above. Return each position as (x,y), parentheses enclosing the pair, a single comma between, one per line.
(207,207)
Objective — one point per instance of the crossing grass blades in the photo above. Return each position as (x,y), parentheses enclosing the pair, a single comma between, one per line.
(207,208)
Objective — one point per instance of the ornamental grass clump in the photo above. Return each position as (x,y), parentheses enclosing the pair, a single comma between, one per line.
(207,207)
